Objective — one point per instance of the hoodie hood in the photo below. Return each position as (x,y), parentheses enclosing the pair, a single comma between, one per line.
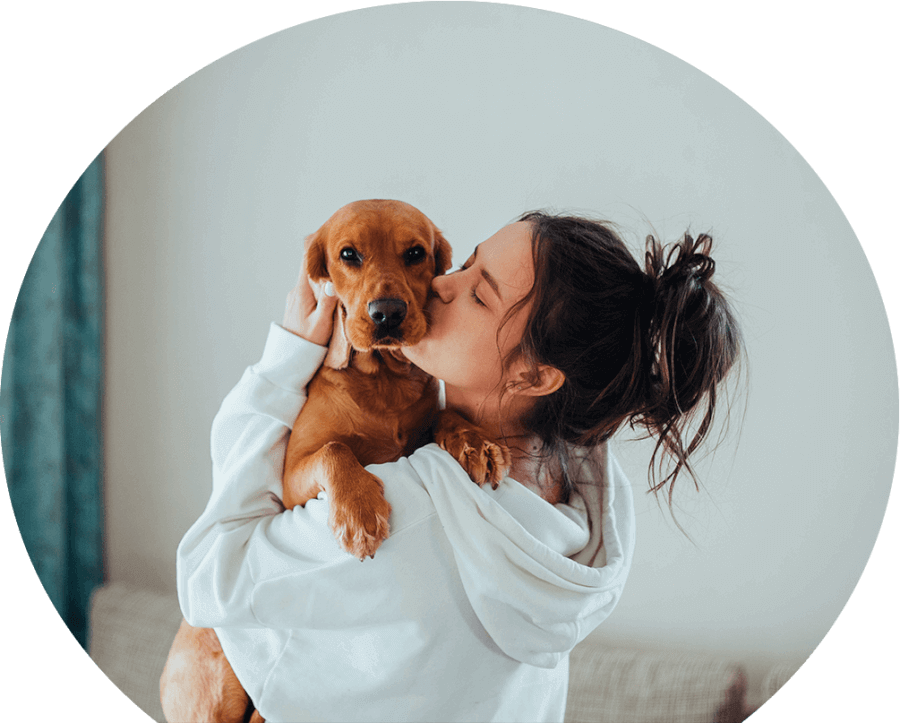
(539,577)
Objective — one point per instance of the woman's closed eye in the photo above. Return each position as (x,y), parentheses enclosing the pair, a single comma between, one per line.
(472,293)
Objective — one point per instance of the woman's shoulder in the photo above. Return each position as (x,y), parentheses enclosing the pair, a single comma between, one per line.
(407,480)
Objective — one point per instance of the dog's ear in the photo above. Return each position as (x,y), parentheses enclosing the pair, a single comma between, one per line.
(316,264)
(338,356)
(443,254)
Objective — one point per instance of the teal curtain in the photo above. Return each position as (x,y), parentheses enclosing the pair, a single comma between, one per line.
(50,403)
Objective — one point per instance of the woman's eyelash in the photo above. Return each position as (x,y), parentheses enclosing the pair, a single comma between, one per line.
(472,293)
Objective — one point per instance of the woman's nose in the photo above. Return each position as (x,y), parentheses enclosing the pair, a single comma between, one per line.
(443,287)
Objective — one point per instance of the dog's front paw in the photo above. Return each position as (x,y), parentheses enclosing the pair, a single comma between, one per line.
(359,515)
(483,459)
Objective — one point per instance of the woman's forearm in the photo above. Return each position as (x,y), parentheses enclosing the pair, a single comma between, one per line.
(215,560)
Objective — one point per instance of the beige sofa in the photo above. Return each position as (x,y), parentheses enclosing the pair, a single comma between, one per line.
(131,630)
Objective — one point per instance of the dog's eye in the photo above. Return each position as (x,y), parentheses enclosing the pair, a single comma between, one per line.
(350,256)
(415,255)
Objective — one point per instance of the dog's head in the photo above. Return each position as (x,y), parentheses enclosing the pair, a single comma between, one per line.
(381,257)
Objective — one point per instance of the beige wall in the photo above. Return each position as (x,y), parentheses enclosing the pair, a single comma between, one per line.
(476,114)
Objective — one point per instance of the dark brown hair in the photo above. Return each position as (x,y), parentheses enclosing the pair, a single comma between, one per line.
(647,347)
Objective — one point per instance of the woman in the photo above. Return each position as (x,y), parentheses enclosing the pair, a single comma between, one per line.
(549,337)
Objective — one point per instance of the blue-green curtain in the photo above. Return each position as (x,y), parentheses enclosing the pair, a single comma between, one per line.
(50,403)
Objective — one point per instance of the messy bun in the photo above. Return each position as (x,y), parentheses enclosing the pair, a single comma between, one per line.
(647,347)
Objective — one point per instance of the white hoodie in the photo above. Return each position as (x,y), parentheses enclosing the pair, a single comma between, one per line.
(467,612)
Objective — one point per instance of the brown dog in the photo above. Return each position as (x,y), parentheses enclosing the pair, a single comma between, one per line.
(366,405)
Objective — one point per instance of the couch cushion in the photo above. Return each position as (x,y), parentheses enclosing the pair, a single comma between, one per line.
(131,631)
(619,685)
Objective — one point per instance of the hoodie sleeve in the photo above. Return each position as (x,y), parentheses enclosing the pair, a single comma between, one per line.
(215,560)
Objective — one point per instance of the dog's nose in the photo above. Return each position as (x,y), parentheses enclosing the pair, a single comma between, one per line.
(387,313)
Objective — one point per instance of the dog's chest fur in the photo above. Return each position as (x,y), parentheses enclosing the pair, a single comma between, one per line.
(381,407)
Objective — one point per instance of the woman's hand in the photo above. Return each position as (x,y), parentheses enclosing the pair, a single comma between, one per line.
(309,309)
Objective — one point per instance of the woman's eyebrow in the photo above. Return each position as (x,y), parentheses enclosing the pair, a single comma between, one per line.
(492,282)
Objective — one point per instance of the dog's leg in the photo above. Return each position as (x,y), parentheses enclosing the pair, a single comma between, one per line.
(483,459)
(198,683)
(358,510)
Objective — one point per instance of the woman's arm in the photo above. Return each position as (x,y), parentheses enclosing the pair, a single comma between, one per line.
(249,436)
(215,565)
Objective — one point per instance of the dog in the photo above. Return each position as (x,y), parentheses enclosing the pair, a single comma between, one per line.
(366,405)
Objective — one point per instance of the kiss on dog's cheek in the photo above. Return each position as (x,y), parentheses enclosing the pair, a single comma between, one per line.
(465,313)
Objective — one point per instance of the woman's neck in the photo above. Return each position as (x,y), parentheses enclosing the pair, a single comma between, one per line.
(486,412)
(532,469)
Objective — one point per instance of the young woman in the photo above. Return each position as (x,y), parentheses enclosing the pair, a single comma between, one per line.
(550,337)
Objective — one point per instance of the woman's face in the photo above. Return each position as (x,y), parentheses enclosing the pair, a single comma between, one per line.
(461,345)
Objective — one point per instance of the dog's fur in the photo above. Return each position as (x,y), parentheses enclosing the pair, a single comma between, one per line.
(366,405)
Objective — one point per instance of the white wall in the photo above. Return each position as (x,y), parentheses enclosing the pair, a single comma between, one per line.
(475,113)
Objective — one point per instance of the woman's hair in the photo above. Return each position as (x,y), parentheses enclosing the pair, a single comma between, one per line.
(647,347)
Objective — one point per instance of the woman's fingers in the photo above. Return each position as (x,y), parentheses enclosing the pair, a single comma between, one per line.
(309,309)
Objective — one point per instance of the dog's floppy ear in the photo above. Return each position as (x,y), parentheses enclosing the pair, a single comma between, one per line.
(338,356)
(316,265)
(443,254)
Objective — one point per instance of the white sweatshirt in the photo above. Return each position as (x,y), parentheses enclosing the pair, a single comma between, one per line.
(467,612)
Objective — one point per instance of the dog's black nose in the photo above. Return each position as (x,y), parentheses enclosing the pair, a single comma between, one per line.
(387,313)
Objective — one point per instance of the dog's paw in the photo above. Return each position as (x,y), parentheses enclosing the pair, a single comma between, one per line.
(359,515)
(483,459)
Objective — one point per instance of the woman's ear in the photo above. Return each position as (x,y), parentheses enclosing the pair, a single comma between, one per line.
(537,383)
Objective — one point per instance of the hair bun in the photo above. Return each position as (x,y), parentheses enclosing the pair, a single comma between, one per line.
(686,260)
(673,273)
